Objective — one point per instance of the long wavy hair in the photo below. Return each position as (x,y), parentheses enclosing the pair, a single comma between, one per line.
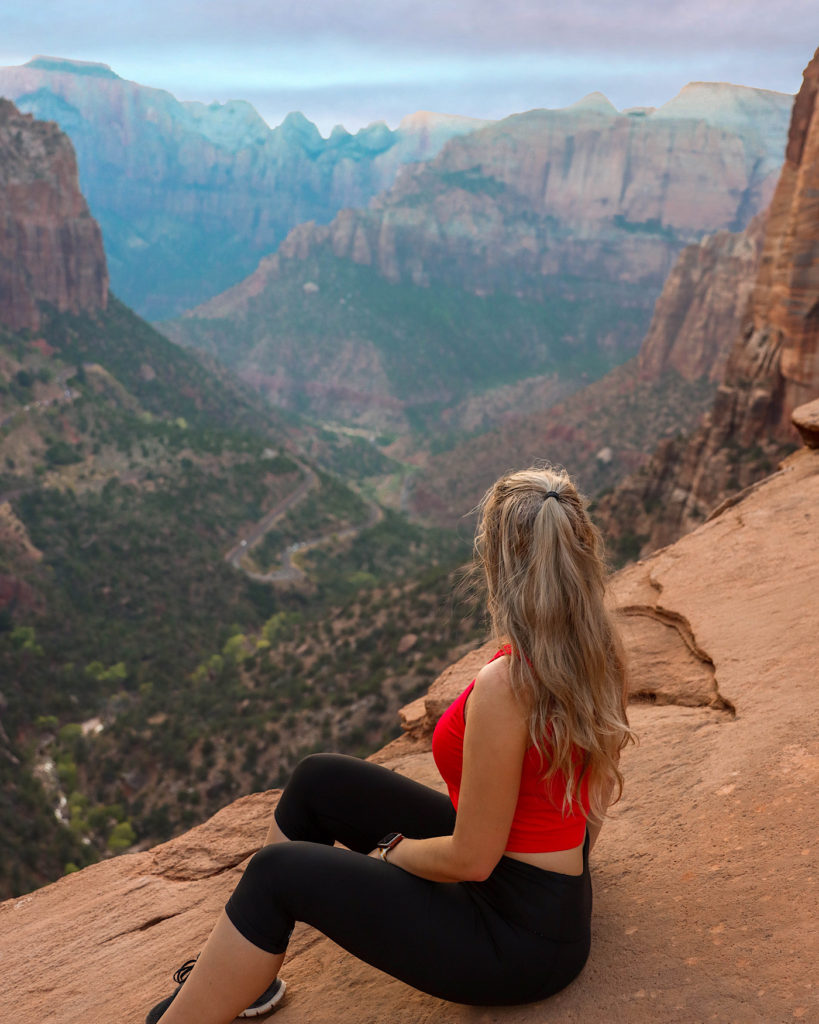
(545,574)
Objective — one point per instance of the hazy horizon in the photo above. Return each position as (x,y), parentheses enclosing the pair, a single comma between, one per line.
(374,62)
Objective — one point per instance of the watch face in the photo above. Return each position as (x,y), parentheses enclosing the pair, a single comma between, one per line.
(388,840)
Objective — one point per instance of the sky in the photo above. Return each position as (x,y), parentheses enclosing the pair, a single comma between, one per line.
(352,62)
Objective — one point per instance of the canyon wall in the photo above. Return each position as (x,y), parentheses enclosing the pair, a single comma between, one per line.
(190,195)
(701,305)
(773,365)
(585,191)
(550,232)
(608,429)
(50,246)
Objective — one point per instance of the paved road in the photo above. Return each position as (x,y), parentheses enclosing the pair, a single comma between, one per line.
(255,534)
(288,571)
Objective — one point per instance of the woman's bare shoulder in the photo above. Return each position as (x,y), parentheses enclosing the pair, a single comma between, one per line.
(493,693)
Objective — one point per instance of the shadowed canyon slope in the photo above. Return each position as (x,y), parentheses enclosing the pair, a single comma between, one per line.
(609,428)
(190,196)
(773,365)
(551,231)
(704,878)
(737,308)
(702,301)
(50,246)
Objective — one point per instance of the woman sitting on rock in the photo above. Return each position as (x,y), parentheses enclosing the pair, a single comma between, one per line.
(482,896)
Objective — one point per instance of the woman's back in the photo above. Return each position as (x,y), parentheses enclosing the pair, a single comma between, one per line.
(541,833)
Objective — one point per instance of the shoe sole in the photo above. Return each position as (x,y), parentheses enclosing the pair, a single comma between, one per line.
(271,1004)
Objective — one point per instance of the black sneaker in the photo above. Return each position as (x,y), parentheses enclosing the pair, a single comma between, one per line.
(266,1002)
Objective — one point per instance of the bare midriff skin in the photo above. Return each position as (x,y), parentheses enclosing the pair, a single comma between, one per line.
(565,862)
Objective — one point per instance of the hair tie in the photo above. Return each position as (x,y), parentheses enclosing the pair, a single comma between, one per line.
(552,494)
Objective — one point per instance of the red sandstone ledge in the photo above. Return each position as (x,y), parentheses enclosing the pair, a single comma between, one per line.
(806,421)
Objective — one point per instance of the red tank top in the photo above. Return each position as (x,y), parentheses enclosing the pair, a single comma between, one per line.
(538,825)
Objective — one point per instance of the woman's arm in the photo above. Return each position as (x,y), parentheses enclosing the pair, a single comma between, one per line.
(594,824)
(495,743)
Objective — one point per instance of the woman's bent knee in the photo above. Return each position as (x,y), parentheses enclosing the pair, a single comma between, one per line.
(315,767)
(299,814)
(257,908)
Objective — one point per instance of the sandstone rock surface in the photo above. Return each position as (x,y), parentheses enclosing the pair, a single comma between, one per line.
(703,299)
(50,245)
(806,421)
(705,876)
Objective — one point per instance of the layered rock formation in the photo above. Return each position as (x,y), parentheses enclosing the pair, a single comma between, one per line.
(773,365)
(806,421)
(50,245)
(579,212)
(608,429)
(189,195)
(704,877)
(563,192)
(702,302)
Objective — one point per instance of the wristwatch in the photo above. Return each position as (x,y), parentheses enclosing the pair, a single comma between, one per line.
(389,842)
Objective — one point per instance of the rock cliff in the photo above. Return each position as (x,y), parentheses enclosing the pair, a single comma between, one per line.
(773,365)
(190,195)
(606,430)
(701,305)
(574,191)
(704,877)
(50,245)
(579,213)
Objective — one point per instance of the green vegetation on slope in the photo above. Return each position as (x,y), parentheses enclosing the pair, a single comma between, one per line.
(144,680)
(436,344)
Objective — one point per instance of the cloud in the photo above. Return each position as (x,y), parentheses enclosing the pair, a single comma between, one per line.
(462,56)
(440,26)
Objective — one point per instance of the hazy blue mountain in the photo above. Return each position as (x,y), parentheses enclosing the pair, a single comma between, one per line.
(190,196)
(535,246)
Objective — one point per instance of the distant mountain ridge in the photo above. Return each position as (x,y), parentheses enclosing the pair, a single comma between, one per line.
(190,196)
(555,228)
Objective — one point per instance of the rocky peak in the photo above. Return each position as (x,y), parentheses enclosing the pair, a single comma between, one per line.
(232,125)
(296,128)
(429,120)
(376,137)
(90,69)
(50,246)
(595,102)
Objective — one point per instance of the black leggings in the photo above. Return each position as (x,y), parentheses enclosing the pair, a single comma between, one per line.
(521,935)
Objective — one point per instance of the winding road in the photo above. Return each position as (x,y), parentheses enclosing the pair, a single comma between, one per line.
(255,534)
(288,571)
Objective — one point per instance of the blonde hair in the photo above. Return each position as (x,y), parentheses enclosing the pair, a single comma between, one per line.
(543,565)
